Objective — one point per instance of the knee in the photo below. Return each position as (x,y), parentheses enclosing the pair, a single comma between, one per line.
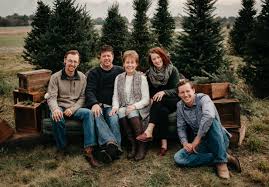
(85,112)
(180,157)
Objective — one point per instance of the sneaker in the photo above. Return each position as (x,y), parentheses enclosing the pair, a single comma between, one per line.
(222,171)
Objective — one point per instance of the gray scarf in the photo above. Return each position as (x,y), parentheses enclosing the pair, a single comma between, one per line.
(159,77)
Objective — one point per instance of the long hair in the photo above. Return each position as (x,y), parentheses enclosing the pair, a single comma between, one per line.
(162,53)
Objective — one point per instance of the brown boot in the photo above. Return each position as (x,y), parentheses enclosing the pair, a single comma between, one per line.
(89,157)
(223,171)
(234,162)
(141,151)
(130,136)
(141,146)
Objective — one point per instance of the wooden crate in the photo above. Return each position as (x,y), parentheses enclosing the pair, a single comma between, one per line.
(27,117)
(229,111)
(214,90)
(32,81)
(238,135)
(36,97)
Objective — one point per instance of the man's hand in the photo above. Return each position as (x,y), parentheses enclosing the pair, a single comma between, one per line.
(129,109)
(113,111)
(57,115)
(158,96)
(195,143)
(188,147)
(68,112)
(96,110)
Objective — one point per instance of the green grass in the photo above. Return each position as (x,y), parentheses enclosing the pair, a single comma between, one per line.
(39,166)
(12,37)
(12,40)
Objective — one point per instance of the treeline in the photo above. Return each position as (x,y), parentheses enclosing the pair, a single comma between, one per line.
(15,20)
(197,51)
(224,21)
(24,20)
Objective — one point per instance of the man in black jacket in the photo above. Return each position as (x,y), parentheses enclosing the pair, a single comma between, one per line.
(99,93)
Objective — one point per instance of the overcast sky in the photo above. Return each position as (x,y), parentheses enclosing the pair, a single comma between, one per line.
(98,8)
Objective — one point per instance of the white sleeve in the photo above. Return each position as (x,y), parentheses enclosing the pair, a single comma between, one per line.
(145,100)
(115,99)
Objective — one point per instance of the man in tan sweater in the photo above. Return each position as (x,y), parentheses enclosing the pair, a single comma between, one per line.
(66,99)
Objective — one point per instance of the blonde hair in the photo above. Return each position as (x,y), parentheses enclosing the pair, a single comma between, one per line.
(131,53)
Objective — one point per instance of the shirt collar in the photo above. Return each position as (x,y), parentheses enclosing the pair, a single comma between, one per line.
(64,76)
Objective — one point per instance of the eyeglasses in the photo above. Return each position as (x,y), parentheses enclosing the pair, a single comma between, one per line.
(70,61)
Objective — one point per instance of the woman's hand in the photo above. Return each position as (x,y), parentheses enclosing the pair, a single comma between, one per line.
(113,111)
(129,109)
(158,96)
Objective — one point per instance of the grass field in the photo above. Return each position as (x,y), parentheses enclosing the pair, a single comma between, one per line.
(12,38)
(39,166)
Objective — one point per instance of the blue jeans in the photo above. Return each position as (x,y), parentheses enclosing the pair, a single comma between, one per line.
(108,129)
(82,114)
(211,150)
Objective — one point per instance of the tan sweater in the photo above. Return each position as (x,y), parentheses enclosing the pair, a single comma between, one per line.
(66,92)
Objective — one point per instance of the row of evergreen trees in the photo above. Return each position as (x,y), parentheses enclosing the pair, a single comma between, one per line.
(250,40)
(67,26)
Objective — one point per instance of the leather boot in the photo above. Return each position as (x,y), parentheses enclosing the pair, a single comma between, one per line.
(234,162)
(141,151)
(222,171)
(141,146)
(89,157)
(130,136)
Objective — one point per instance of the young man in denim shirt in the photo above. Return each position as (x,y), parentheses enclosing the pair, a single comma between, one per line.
(204,140)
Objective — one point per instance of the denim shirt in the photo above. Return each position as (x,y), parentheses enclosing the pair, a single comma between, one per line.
(199,117)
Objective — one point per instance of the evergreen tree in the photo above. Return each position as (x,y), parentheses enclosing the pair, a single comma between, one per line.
(200,45)
(256,71)
(39,25)
(69,27)
(243,26)
(163,25)
(141,40)
(115,32)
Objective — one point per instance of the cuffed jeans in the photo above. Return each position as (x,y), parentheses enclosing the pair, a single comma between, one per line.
(82,114)
(211,150)
(108,129)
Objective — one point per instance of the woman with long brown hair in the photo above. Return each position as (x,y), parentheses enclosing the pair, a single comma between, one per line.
(163,78)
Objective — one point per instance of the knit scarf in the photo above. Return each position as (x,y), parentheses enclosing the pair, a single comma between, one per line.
(159,77)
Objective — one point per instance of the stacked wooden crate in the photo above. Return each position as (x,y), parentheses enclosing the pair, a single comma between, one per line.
(228,108)
(28,99)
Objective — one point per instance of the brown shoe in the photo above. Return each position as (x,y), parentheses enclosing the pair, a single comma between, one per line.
(234,163)
(223,171)
(162,151)
(90,158)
